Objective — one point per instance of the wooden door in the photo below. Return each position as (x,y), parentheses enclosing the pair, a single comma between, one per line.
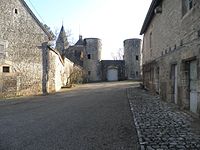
(193,86)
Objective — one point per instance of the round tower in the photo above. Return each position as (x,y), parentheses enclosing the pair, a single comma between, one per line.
(91,62)
(132,57)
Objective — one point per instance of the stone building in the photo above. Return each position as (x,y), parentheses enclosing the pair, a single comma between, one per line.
(87,53)
(75,52)
(28,66)
(171,52)
(132,58)
(113,70)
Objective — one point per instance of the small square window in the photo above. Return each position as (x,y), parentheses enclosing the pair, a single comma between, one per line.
(137,57)
(89,56)
(6,69)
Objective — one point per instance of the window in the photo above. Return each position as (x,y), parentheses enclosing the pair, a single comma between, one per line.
(16,11)
(6,69)
(89,72)
(89,56)
(150,40)
(187,5)
(137,57)
(190,5)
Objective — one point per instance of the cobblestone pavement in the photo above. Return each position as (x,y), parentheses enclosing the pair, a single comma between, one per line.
(161,125)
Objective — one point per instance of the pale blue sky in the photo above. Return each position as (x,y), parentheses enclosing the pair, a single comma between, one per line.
(113,21)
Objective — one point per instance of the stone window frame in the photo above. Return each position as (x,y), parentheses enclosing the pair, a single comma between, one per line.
(6,69)
(16,11)
(6,64)
(5,46)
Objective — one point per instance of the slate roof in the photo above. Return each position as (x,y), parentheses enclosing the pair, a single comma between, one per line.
(36,19)
(62,39)
(149,15)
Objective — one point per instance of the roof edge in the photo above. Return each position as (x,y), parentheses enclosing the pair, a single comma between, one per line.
(36,19)
(150,15)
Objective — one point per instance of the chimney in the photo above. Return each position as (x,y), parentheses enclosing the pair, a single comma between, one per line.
(80,37)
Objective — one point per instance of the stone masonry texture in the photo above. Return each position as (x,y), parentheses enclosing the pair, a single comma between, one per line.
(172,38)
(23,53)
(93,48)
(132,58)
(33,67)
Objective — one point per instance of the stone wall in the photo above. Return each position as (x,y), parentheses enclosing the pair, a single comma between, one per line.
(58,72)
(9,85)
(22,39)
(119,64)
(75,54)
(175,40)
(27,65)
(162,28)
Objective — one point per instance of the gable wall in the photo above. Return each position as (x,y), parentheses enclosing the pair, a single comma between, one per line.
(23,40)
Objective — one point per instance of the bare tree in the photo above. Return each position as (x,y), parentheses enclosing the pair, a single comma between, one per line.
(119,55)
(77,76)
(69,35)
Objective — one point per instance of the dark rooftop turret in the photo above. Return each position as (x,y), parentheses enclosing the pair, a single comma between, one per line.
(62,43)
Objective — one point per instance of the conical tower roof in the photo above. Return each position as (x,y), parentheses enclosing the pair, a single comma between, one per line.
(62,43)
